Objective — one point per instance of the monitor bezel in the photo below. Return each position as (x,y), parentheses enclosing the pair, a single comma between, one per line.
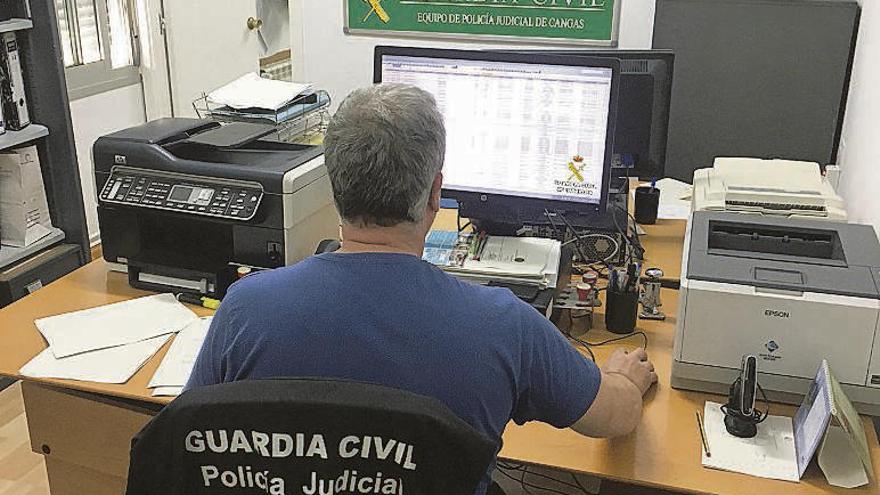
(499,201)
(662,55)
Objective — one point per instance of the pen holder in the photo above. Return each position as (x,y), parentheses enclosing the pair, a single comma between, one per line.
(621,311)
(647,204)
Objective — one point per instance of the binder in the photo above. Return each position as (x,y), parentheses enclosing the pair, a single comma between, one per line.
(15,108)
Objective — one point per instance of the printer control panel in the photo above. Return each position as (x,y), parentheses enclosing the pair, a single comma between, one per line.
(185,194)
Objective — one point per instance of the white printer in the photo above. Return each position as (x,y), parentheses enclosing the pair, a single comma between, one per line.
(792,292)
(767,187)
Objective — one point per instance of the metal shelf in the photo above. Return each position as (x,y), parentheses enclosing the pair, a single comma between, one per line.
(10,255)
(29,133)
(15,25)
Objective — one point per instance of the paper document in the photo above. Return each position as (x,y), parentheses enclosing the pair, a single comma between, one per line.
(770,454)
(178,362)
(515,256)
(675,199)
(167,391)
(253,91)
(113,365)
(675,189)
(114,325)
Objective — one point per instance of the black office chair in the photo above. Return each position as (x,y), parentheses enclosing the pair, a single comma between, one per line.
(293,435)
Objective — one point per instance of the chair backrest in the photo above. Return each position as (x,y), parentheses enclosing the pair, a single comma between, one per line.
(304,436)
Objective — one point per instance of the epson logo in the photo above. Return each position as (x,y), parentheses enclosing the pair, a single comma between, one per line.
(776,314)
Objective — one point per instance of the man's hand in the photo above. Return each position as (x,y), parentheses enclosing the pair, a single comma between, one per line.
(617,409)
(634,366)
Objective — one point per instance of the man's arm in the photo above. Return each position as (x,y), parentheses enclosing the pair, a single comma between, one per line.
(617,408)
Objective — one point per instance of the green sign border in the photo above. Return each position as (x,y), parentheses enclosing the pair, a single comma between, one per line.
(453,36)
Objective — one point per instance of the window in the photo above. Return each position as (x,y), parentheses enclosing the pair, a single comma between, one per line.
(98,44)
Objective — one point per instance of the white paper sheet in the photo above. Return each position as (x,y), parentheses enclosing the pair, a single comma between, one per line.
(674,189)
(113,365)
(178,362)
(253,91)
(113,325)
(675,199)
(167,391)
(770,454)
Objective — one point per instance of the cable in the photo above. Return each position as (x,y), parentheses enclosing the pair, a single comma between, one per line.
(579,239)
(458,221)
(600,236)
(766,403)
(622,337)
(583,344)
(577,245)
(526,484)
(756,417)
(638,242)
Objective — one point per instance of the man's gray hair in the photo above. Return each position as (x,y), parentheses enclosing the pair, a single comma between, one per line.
(384,146)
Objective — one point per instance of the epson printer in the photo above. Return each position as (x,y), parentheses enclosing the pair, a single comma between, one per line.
(781,188)
(184,204)
(791,292)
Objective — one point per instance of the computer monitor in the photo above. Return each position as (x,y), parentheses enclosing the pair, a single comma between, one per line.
(642,126)
(525,133)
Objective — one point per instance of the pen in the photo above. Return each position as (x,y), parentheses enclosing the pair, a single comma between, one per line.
(703,435)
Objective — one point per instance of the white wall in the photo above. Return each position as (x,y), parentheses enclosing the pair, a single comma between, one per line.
(324,55)
(92,118)
(859,154)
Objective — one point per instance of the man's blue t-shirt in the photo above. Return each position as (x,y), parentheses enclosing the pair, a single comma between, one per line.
(398,321)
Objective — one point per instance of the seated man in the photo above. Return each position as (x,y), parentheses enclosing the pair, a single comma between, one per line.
(374,311)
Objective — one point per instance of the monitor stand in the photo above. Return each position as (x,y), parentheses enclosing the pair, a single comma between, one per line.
(613,219)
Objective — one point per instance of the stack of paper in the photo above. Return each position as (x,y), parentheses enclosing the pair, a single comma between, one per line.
(177,364)
(251,91)
(107,344)
(514,260)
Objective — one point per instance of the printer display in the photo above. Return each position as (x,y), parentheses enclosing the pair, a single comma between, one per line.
(791,292)
(183,204)
(781,188)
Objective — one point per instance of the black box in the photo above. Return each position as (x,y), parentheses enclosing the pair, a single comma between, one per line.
(30,275)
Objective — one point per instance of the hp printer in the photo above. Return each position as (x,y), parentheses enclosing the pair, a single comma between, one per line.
(184,204)
(791,292)
(779,188)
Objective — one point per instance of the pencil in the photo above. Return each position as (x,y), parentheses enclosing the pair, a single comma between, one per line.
(703,435)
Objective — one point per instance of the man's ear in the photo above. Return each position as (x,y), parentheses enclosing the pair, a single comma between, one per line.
(434,198)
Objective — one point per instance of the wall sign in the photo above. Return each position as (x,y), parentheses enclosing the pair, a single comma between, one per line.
(592,22)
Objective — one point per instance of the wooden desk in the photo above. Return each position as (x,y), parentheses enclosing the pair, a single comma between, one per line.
(83,429)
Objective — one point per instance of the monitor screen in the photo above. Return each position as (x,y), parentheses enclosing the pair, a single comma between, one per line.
(519,129)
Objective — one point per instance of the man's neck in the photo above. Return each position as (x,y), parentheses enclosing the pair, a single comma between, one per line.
(404,238)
